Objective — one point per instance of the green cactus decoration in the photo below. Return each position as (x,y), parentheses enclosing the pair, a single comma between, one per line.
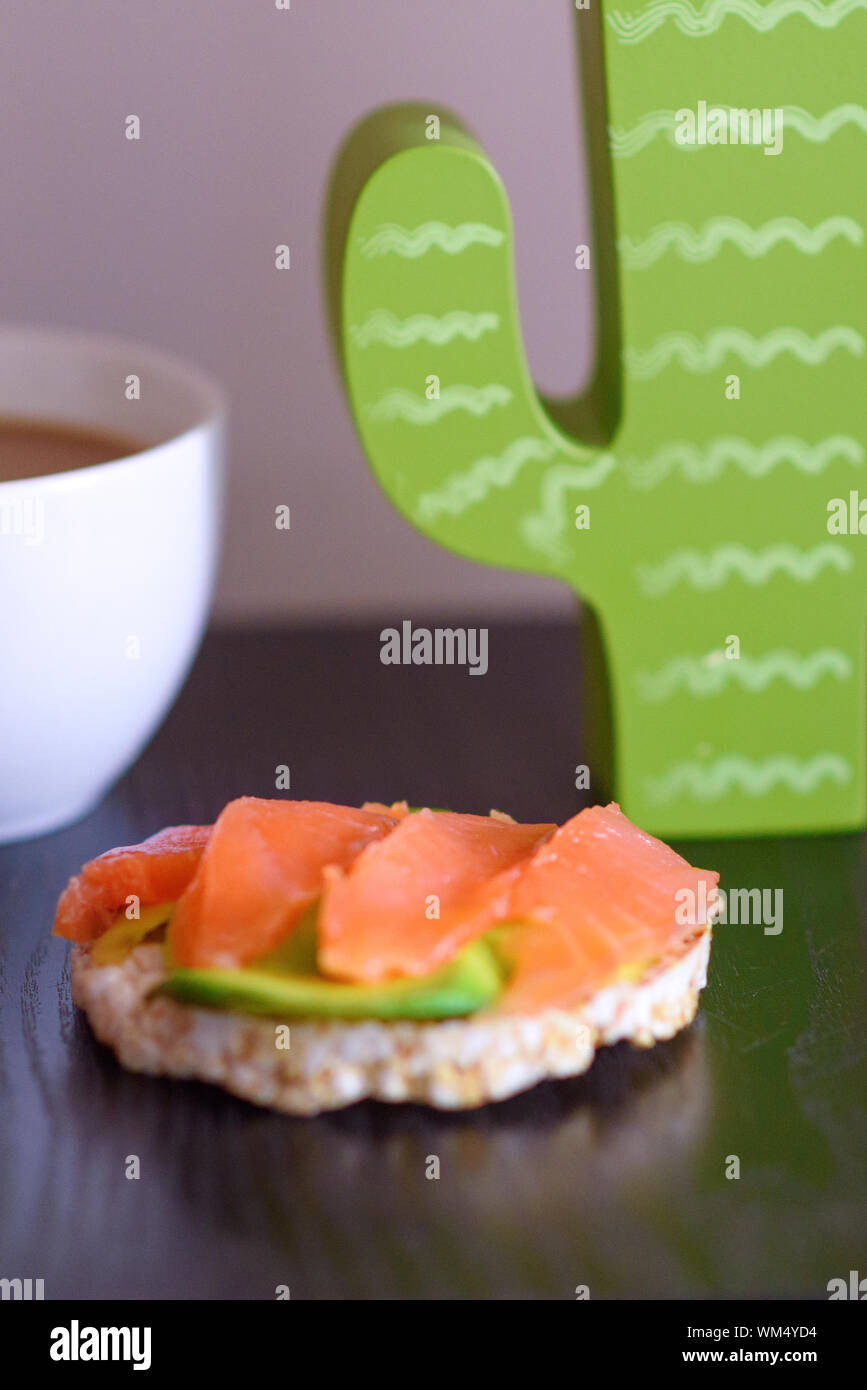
(689,498)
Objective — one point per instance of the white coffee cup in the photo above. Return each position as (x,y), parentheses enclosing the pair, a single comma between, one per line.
(106,572)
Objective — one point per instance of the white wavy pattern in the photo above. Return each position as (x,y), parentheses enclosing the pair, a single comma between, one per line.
(704,463)
(463,490)
(625,144)
(697,355)
(545,530)
(705,676)
(710,781)
(383,327)
(702,244)
(712,569)
(695,463)
(405,406)
(390,238)
(699,23)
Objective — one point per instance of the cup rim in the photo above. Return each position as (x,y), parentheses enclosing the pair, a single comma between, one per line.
(211,398)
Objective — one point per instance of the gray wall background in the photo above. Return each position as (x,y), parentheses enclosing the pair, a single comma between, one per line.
(171,239)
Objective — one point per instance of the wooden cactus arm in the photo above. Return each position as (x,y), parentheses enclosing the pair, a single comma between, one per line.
(743,325)
(433,351)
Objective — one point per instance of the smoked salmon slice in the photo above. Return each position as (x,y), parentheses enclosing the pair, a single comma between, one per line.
(400,893)
(156,871)
(402,908)
(599,895)
(261,871)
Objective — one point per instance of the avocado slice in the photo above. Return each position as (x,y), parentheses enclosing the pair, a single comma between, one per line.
(124,935)
(286,984)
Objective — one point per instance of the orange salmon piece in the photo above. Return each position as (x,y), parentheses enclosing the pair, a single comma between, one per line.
(260,873)
(599,895)
(373,920)
(156,871)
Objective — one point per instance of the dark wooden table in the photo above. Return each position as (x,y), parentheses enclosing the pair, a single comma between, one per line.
(616,1180)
